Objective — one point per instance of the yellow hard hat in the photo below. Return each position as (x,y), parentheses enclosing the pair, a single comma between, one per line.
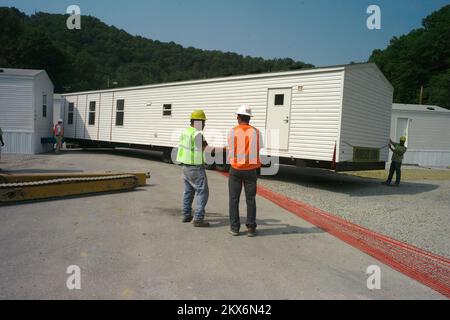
(198,115)
(402,139)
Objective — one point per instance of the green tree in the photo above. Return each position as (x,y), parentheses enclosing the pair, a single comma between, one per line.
(420,58)
(85,59)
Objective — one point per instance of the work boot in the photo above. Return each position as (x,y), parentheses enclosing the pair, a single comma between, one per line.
(386,183)
(234,233)
(186,219)
(201,224)
(251,232)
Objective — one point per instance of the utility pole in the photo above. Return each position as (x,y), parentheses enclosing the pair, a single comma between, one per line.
(114,83)
(421,95)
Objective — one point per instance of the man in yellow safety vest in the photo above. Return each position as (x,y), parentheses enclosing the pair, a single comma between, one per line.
(191,156)
(398,151)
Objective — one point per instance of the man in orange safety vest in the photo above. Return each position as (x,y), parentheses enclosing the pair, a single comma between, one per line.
(244,144)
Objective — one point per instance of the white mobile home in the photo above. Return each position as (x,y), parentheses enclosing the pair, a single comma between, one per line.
(26,110)
(333,115)
(428,131)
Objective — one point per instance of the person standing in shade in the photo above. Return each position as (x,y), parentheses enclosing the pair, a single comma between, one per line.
(191,155)
(398,150)
(244,144)
(58,132)
(2,143)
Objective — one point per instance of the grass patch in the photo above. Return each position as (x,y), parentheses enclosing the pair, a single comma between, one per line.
(407,174)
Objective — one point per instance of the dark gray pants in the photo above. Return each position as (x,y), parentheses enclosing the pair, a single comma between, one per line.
(237,178)
(397,168)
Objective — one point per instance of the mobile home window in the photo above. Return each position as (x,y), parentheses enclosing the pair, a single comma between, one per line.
(167,110)
(279,99)
(44,106)
(70,113)
(92,113)
(120,110)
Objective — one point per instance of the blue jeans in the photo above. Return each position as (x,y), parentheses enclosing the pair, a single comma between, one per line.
(195,182)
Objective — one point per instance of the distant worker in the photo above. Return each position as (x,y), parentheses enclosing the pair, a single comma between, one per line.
(1,142)
(58,132)
(191,156)
(244,144)
(398,150)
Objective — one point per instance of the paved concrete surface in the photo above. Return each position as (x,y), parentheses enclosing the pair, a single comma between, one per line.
(417,212)
(133,246)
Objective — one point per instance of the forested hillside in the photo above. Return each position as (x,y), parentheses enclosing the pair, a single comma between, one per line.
(420,58)
(99,54)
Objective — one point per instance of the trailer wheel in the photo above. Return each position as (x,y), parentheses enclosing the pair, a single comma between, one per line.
(169,154)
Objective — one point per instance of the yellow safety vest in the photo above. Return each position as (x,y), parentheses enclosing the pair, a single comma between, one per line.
(188,152)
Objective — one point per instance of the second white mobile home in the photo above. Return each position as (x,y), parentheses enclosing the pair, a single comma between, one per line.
(333,115)
(427,129)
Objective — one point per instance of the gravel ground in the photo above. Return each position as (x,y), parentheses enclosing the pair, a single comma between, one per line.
(132,245)
(418,212)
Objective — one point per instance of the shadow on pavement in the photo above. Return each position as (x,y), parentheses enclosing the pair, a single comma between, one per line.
(266,227)
(306,177)
(134,153)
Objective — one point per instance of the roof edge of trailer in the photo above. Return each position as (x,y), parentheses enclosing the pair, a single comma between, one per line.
(220,79)
(20,73)
(374,66)
(420,108)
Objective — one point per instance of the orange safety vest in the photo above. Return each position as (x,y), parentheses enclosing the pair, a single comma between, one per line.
(243,148)
(55,130)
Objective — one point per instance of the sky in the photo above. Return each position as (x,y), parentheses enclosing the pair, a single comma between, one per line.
(321,32)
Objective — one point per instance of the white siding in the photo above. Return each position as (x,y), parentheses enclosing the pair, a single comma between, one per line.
(58,112)
(366,111)
(43,125)
(428,158)
(429,132)
(16,114)
(315,111)
(315,116)
(69,129)
(20,142)
(80,116)
(91,131)
(105,116)
(16,103)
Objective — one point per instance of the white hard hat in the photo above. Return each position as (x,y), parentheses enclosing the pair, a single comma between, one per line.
(245,110)
(60,120)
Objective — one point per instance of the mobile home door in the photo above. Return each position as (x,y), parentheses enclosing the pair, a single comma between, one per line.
(277,121)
